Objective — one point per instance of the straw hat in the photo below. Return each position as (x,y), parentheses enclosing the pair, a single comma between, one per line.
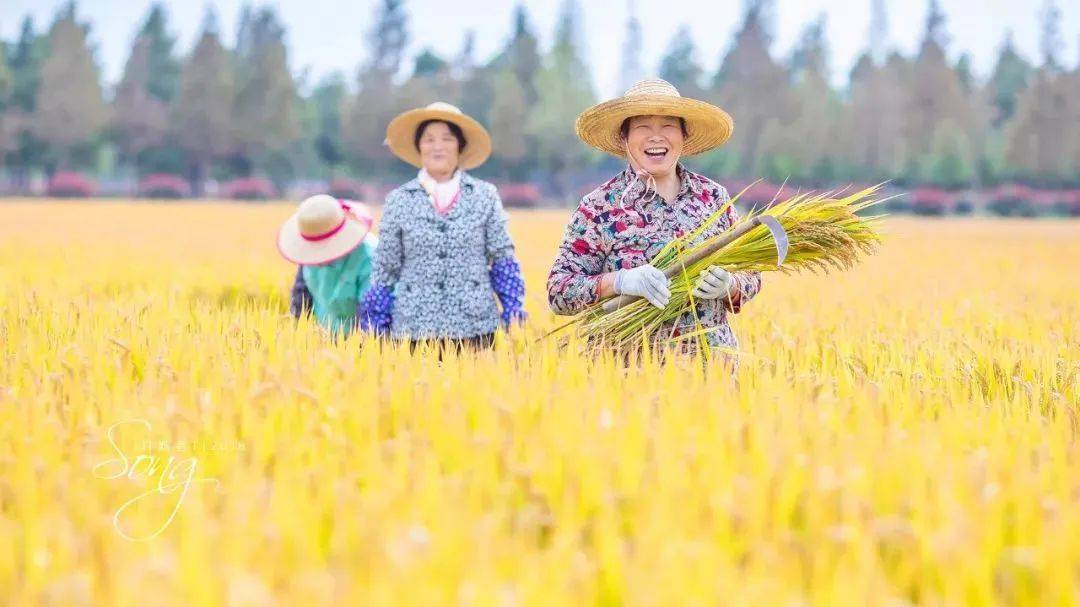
(707,125)
(323,229)
(401,134)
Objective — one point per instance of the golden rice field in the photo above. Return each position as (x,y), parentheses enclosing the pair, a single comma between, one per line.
(904,433)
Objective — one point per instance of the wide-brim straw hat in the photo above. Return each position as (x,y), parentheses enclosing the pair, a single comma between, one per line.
(323,229)
(707,126)
(401,134)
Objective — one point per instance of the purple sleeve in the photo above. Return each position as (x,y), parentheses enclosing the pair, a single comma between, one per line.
(375,308)
(508,285)
(300,301)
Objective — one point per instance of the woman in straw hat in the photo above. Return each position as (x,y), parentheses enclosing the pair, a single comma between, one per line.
(444,252)
(330,240)
(620,226)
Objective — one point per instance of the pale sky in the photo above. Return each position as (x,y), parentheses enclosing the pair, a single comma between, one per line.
(325,36)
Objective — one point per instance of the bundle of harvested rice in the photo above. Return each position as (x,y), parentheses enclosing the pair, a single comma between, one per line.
(815,232)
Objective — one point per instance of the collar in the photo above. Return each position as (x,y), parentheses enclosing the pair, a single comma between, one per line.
(467,181)
(689,181)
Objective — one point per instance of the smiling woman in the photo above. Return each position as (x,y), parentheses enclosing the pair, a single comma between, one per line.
(444,252)
(619,227)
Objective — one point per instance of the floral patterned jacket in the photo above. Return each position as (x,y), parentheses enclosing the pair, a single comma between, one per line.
(604,237)
(438,275)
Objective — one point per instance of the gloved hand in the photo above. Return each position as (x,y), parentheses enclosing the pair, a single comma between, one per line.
(644,281)
(714,282)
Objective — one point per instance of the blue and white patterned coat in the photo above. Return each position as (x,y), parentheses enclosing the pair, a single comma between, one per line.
(437,276)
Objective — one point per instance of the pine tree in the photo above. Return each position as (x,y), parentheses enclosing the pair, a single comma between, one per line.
(879,32)
(70,111)
(509,114)
(140,118)
(203,109)
(1010,77)
(465,63)
(521,54)
(631,70)
(565,90)
(872,140)
(328,99)
(25,57)
(935,92)
(949,163)
(265,113)
(377,100)
(808,140)
(1050,36)
(8,135)
(754,89)
(430,65)
(1041,138)
(680,66)
(164,67)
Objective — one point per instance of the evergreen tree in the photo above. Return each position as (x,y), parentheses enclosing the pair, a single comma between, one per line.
(24,151)
(509,114)
(265,113)
(1010,77)
(377,100)
(140,118)
(754,89)
(164,67)
(70,111)
(203,109)
(565,90)
(935,92)
(680,66)
(327,99)
(631,70)
(807,141)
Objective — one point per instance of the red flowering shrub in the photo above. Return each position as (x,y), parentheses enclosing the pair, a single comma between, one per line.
(250,188)
(348,189)
(163,185)
(1012,200)
(520,194)
(70,185)
(929,201)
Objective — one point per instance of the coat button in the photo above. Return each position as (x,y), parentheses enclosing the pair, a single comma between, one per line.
(442,227)
(442,254)
(439,285)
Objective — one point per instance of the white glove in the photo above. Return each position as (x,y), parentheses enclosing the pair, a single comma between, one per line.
(644,281)
(714,282)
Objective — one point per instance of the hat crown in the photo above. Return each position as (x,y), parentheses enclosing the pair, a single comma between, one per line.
(318,215)
(653,86)
(442,106)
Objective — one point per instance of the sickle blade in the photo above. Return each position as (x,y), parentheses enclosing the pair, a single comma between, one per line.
(780,237)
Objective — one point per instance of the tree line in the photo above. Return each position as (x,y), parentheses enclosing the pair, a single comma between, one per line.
(220,111)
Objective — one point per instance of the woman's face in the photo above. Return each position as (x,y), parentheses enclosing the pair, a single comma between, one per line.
(438,149)
(656,142)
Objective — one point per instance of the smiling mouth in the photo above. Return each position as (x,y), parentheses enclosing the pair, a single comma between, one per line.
(656,152)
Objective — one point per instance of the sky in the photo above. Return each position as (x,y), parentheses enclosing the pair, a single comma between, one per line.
(326,36)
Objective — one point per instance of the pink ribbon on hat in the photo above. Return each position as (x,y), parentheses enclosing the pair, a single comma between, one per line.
(335,229)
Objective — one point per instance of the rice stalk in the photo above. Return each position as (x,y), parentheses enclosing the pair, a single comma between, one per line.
(826,232)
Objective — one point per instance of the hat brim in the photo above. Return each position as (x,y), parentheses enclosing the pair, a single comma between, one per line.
(707,126)
(294,247)
(401,136)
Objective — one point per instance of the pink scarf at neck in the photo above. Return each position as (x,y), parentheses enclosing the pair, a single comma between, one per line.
(443,195)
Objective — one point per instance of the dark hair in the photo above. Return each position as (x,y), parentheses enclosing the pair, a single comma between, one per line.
(455,130)
(624,128)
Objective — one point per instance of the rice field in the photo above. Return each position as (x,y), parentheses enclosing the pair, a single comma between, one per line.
(907,432)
